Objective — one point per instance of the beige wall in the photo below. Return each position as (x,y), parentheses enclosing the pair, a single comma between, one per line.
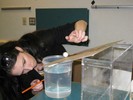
(105,25)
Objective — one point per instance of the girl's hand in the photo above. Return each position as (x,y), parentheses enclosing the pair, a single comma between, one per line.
(39,67)
(38,87)
(77,36)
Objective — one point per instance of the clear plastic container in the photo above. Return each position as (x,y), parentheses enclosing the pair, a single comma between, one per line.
(107,75)
(57,78)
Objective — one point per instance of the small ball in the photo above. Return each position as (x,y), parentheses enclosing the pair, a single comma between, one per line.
(65,54)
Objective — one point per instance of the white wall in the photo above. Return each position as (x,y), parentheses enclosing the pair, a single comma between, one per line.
(106,25)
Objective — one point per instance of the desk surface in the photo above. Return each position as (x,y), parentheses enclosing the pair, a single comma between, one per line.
(75,94)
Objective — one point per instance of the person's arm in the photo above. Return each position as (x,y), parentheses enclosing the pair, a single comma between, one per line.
(81,25)
(78,35)
(57,35)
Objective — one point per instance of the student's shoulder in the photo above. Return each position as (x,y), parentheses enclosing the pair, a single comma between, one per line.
(1,94)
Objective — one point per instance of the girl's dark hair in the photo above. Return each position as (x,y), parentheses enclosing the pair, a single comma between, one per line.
(32,44)
(9,85)
(8,55)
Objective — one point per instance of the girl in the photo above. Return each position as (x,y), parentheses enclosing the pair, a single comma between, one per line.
(20,60)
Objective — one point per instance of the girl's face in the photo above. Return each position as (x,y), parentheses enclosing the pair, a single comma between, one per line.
(24,63)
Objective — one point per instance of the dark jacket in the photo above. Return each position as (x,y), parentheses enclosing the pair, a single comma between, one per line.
(40,44)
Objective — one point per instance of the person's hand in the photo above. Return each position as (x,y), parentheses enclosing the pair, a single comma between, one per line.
(77,36)
(39,68)
(38,87)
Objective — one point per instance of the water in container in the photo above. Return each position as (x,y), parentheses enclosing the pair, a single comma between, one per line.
(57,78)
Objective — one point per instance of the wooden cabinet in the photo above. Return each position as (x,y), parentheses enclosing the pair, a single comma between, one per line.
(76,71)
